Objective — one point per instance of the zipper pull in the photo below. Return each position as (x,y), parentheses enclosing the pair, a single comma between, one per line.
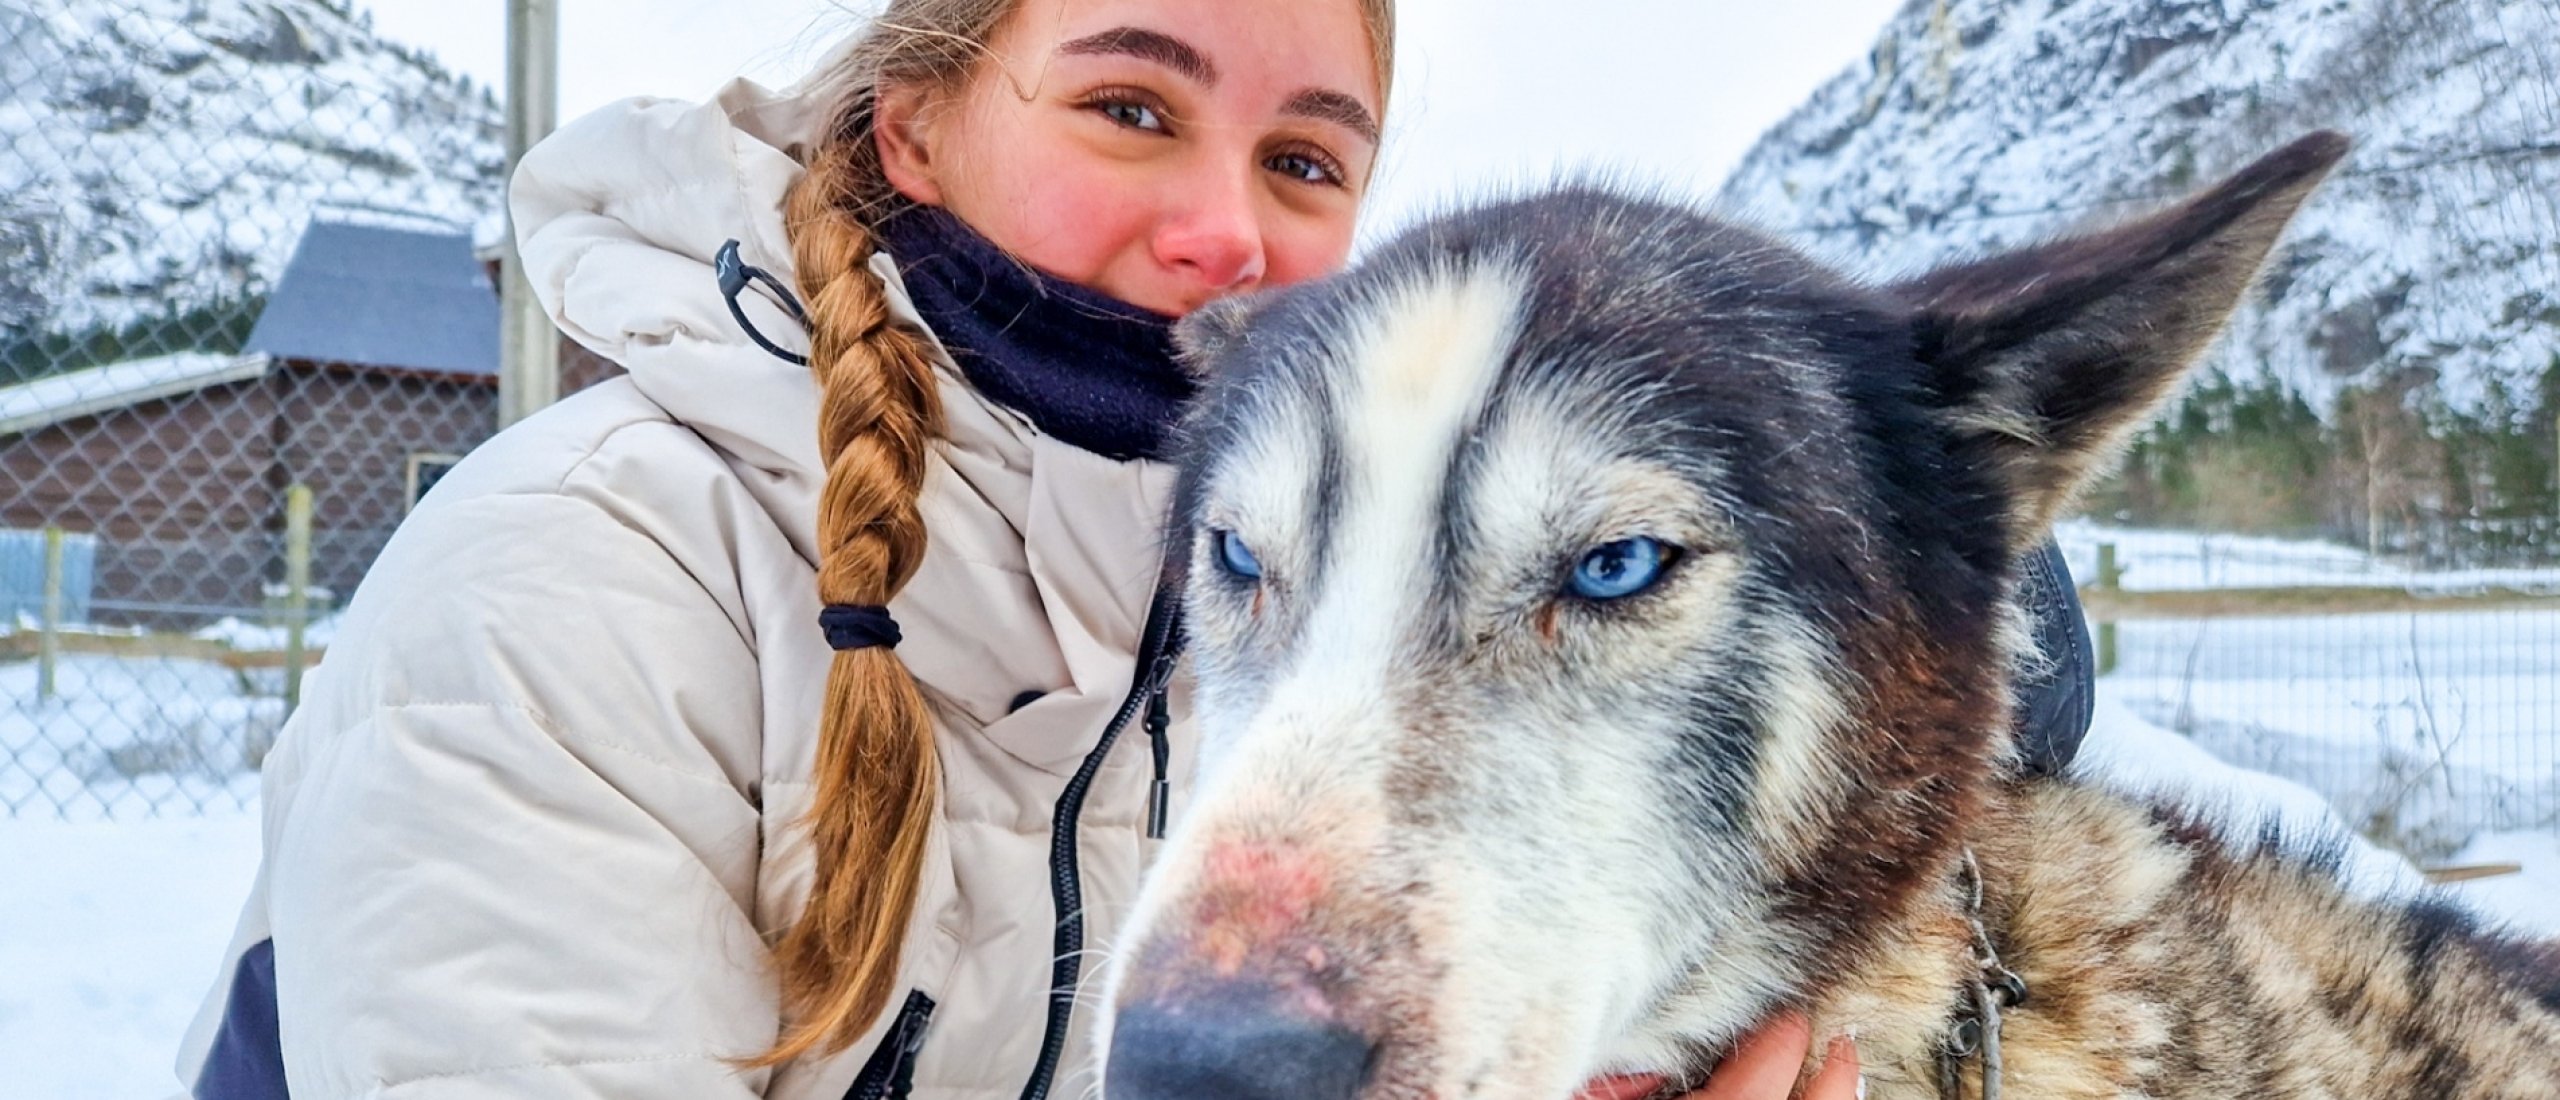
(910,1043)
(1160,795)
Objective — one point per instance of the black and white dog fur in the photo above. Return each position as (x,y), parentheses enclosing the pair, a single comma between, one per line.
(1603,622)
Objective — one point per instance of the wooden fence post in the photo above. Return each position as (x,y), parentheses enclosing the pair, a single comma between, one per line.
(2110,579)
(49,636)
(297,588)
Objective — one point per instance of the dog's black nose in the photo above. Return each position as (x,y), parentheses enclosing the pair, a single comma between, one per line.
(1231,1046)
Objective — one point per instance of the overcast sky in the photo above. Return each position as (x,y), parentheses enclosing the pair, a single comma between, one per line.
(1666,91)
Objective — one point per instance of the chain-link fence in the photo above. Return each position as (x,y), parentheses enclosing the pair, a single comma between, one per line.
(2418,690)
(243,248)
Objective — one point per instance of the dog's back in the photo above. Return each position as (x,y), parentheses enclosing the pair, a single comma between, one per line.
(2163,961)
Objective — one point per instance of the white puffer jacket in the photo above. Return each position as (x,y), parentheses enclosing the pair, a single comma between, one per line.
(535,821)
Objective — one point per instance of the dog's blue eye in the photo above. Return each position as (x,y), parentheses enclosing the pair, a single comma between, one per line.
(1237,557)
(1620,569)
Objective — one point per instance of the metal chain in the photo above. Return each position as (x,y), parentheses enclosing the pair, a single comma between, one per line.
(1990,988)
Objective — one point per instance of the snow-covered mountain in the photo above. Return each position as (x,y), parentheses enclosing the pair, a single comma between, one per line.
(158,155)
(2435,253)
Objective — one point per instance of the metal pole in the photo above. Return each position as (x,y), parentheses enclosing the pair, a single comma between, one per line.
(2110,579)
(297,591)
(529,369)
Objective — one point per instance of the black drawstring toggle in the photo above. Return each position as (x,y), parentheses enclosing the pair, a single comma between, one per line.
(859,626)
(734,275)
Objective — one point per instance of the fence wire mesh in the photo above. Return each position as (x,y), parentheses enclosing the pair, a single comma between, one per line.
(215,213)
(242,248)
(2418,690)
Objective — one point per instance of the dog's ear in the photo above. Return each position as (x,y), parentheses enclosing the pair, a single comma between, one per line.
(2048,357)
(1206,334)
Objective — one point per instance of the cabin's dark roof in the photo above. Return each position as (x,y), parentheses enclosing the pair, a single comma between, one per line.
(380,297)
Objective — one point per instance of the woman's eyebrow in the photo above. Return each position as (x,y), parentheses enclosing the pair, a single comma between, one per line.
(1327,105)
(1146,45)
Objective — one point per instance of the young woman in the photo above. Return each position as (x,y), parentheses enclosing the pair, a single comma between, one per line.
(745,728)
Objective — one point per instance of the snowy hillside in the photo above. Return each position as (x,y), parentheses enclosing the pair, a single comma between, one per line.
(158,155)
(2436,251)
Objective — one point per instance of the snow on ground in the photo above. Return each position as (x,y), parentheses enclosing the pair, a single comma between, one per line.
(132,844)
(114,931)
(2155,560)
(2531,898)
(248,636)
(116,928)
(2428,727)
(2439,731)
(2448,722)
(125,737)
(2125,753)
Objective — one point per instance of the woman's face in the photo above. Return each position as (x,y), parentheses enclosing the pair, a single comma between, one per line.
(1163,152)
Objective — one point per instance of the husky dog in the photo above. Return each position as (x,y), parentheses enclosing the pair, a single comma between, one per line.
(1604,624)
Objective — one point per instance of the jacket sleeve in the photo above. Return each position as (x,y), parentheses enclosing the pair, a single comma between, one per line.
(519,853)
(2058,696)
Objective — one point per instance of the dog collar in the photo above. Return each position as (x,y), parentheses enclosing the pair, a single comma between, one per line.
(1991,988)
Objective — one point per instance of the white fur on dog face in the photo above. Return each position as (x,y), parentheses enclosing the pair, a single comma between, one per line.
(1408,697)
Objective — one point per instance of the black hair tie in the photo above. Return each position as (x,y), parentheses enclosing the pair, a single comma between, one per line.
(858,626)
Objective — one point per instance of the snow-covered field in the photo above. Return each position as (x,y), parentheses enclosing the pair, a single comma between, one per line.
(130,738)
(2430,728)
(114,928)
(2128,754)
(2151,561)
(113,932)
(2440,731)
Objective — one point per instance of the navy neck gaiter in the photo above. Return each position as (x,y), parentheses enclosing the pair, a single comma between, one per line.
(1086,368)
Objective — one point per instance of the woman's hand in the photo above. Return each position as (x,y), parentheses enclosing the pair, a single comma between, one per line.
(1763,1067)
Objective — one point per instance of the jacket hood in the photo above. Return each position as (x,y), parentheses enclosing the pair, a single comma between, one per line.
(618,216)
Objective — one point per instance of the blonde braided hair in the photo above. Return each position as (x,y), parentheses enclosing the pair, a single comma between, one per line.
(878,777)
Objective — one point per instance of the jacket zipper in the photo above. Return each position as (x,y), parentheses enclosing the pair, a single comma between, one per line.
(890,1073)
(1156,654)
(1160,747)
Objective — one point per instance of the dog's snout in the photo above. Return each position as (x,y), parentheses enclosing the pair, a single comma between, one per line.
(1232,1044)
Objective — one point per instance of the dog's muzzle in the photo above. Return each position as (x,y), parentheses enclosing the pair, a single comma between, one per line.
(1231,1042)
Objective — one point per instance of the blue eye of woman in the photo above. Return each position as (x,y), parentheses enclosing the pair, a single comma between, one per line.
(1132,114)
(1237,557)
(1303,168)
(1617,570)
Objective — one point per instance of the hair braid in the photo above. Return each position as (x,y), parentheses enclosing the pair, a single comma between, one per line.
(877,774)
(877,781)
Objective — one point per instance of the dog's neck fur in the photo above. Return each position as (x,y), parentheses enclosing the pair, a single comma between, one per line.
(2095,900)
(2161,959)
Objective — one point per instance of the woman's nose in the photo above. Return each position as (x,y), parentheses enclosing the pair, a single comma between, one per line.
(1214,236)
